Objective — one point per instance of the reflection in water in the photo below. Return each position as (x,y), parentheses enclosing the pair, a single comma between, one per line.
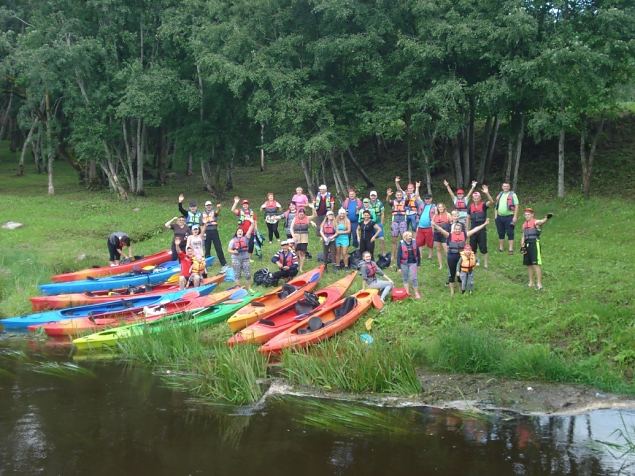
(126,421)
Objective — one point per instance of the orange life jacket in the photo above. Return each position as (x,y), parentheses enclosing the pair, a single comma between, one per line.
(241,244)
(468,261)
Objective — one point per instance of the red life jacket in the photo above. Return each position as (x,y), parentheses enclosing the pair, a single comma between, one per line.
(241,244)
(510,200)
(461,204)
(478,213)
(406,250)
(530,231)
(456,242)
(328,228)
(301,225)
(441,219)
(371,269)
(411,203)
(271,207)
(286,260)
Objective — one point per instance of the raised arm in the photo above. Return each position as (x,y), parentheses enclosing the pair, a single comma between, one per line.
(490,200)
(476,229)
(474,183)
(233,208)
(398,184)
(168,223)
(440,230)
(182,210)
(417,186)
(449,189)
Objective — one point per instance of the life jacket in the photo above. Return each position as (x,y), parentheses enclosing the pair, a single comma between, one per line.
(456,242)
(371,270)
(286,260)
(329,201)
(246,216)
(209,219)
(510,200)
(271,207)
(377,207)
(328,228)
(398,208)
(441,219)
(363,229)
(468,262)
(406,250)
(301,225)
(478,212)
(193,218)
(530,231)
(241,244)
(411,203)
(461,204)
(198,265)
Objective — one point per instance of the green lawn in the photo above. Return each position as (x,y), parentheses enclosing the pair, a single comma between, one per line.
(581,328)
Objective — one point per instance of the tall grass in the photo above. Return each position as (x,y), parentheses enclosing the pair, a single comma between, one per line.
(211,371)
(350,366)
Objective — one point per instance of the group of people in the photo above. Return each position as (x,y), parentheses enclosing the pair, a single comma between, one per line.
(418,225)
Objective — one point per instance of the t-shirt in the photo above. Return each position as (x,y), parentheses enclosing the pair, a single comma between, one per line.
(425,220)
(300,200)
(360,216)
(366,230)
(186,263)
(115,238)
(502,209)
(180,231)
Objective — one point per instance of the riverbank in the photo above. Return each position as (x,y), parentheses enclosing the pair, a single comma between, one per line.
(578,330)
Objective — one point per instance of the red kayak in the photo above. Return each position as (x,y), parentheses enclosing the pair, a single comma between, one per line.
(138,264)
(325,323)
(190,302)
(60,301)
(261,331)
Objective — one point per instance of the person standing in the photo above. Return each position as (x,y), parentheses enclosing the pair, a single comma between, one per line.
(210,232)
(352,205)
(238,248)
(323,202)
(443,219)
(287,262)
(272,209)
(425,236)
(378,207)
(328,234)
(117,241)
(342,240)
(247,221)
(411,195)
(192,215)
(460,200)
(477,214)
(181,232)
(300,199)
(288,217)
(195,241)
(367,233)
(398,225)
(369,271)
(409,259)
(506,216)
(530,244)
(300,233)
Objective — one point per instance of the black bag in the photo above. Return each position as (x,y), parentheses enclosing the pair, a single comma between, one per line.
(260,276)
(384,260)
(354,259)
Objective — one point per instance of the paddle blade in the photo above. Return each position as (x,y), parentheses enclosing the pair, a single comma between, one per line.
(173,279)
(239,293)
(377,302)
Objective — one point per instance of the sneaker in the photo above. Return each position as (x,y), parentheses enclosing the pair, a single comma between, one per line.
(224,269)
(478,262)
(538,288)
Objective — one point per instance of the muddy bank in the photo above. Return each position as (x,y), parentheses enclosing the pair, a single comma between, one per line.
(480,392)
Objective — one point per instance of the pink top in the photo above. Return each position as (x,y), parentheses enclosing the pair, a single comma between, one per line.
(300,199)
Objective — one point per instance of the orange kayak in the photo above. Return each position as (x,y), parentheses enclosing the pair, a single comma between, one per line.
(261,331)
(280,298)
(192,301)
(60,301)
(325,323)
(88,273)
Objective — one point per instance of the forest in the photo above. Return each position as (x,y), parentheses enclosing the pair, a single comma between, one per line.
(127,91)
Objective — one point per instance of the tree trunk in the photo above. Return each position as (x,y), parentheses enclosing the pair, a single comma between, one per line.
(346,181)
(490,145)
(471,144)
(188,168)
(323,168)
(205,173)
(110,170)
(50,149)
(230,173)
(141,134)
(409,159)
(458,173)
(91,176)
(306,170)
(427,166)
(27,141)
(129,163)
(519,149)
(369,182)
(339,185)
(465,155)
(561,164)
(5,117)
(586,158)
(508,163)
(262,147)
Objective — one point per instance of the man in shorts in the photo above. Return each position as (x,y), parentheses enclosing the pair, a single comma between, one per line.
(506,216)
(425,235)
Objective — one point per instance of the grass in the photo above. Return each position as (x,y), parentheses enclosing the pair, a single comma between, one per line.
(579,329)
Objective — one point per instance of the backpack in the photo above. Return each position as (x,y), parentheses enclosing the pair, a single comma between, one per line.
(384,260)
(263,277)
(354,259)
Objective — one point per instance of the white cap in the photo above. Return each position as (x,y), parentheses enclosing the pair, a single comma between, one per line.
(322,187)
(341,211)
(373,192)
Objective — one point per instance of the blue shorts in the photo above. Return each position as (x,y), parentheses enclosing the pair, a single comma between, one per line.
(342,240)
(381,233)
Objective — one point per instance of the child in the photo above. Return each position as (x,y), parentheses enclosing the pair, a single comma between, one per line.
(369,272)
(239,250)
(467,264)
(190,272)
(409,259)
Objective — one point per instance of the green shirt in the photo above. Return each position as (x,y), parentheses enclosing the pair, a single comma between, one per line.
(373,215)
(378,208)
(502,209)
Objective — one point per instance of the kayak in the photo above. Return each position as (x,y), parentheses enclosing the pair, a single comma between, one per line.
(193,300)
(39,318)
(144,278)
(325,323)
(199,319)
(264,329)
(60,301)
(280,298)
(96,272)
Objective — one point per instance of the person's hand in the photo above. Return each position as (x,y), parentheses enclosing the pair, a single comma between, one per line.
(487,221)
(485,189)
(549,215)
(514,221)
(181,198)
(177,241)
(397,179)
(389,192)
(418,183)
(372,240)
(236,199)
(218,205)
(474,183)
(445,182)
(285,268)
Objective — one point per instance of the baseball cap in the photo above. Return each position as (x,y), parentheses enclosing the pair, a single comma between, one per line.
(373,193)
(192,204)
(245,201)
(460,190)
(284,242)
(208,203)
(427,196)
(366,200)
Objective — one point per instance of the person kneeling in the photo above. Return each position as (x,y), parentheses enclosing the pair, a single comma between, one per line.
(369,272)
(287,262)
(192,267)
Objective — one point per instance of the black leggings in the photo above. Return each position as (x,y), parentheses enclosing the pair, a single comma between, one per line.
(113,251)
(211,236)
(479,240)
(272,228)
(329,253)
(453,261)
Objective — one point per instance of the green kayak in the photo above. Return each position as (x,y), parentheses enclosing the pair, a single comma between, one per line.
(204,317)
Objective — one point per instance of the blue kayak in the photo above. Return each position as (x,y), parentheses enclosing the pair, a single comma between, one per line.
(38,318)
(157,275)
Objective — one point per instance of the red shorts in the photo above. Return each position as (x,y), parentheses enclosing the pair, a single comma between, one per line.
(425,237)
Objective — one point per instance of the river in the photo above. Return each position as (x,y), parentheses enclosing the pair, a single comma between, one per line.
(108,417)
